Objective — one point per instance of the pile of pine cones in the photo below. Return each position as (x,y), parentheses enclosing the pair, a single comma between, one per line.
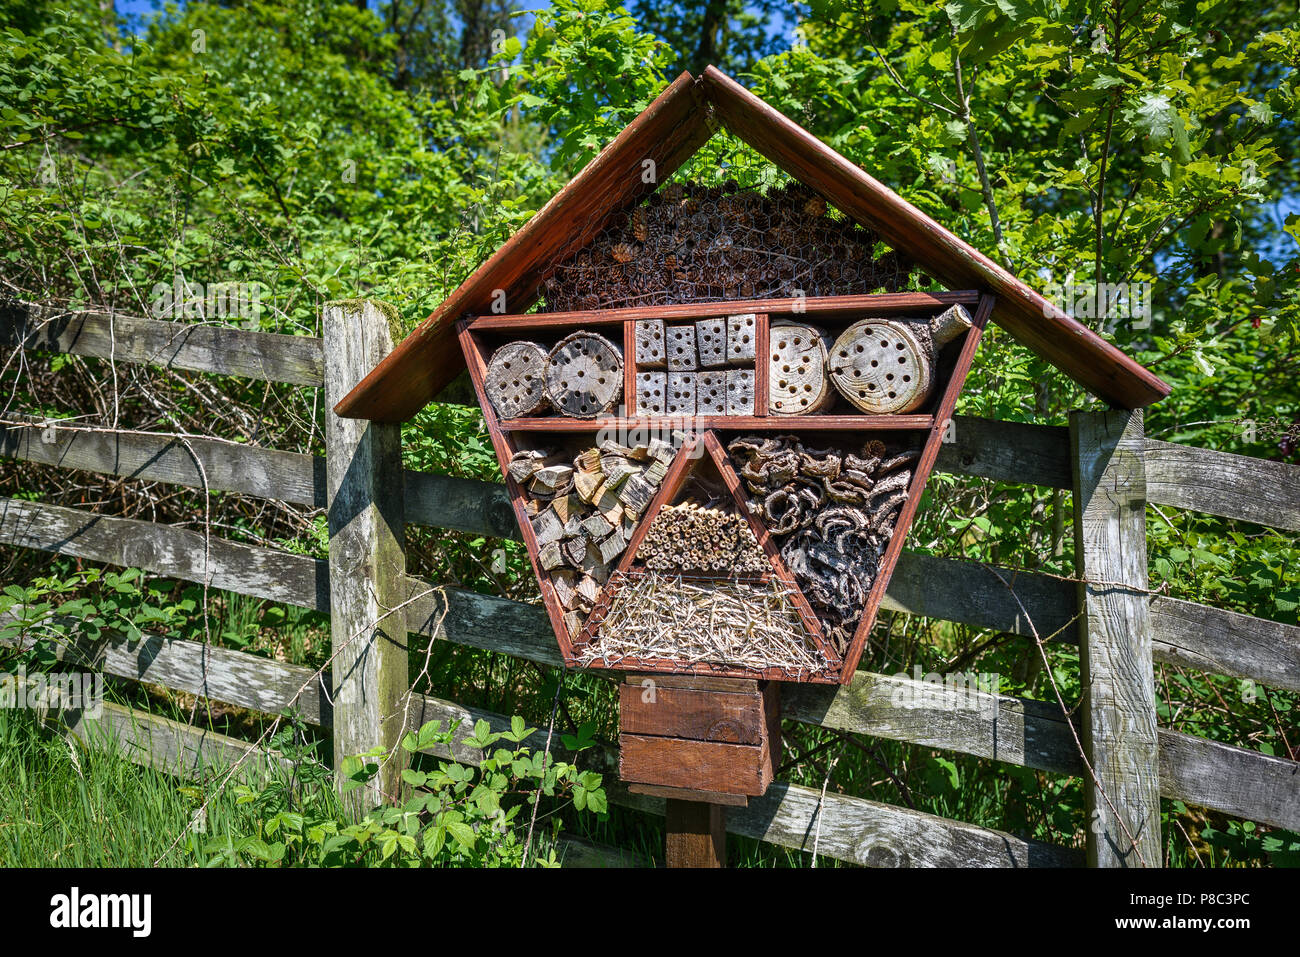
(832,513)
(689,243)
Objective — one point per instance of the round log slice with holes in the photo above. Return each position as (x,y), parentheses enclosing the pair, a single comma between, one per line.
(883,367)
(797,378)
(584,375)
(515,381)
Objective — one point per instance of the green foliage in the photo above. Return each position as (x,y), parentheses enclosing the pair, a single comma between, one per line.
(455,814)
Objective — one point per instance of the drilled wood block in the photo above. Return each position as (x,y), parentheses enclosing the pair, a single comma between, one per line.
(711,342)
(740,392)
(680,342)
(650,344)
(742,337)
(681,393)
(711,393)
(651,390)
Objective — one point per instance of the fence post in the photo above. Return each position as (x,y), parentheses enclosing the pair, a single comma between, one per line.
(367,563)
(1118,714)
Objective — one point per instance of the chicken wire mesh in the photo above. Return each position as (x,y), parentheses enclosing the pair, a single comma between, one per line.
(699,238)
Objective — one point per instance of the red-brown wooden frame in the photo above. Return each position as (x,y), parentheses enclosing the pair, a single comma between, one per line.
(469,332)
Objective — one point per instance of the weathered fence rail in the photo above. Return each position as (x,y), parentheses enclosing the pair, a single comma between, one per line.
(1012,730)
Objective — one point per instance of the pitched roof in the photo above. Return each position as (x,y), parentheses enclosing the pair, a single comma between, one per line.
(669,131)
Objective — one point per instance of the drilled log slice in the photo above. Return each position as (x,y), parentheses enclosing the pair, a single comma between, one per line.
(584,375)
(515,382)
(882,366)
(797,381)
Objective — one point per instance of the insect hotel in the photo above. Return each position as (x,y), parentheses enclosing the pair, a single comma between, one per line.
(715,410)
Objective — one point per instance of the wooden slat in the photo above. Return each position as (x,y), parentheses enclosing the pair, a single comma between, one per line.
(1119,707)
(1019,731)
(1238,782)
(228,466)
(1225,642)
(1069,345)
(872,834)
(217,347)
(748,423)
(1008,452)
(668,131)
(826,307)
(164,550)
(445,501)
(1220,483)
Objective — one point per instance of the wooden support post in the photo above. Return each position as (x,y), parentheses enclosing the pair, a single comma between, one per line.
(1118,715)
(695,834)
(367,564)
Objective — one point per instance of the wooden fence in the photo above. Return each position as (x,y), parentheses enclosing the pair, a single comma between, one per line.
(1121,628)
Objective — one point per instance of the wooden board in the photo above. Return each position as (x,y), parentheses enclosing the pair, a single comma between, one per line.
(695,765)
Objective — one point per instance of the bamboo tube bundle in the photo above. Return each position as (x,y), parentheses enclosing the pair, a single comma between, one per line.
(726,622)
(712,541)
(832,513)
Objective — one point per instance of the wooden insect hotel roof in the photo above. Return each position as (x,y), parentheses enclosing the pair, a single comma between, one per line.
(716,430)
(669,131)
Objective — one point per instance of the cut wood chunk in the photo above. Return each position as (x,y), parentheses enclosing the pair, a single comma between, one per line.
(681,393)
(588,461)
(798,379)
(573,621)
(588,588)
(636,494)
(515,379)
(594,565)
(882,366)
(553,477)
(566,506)
(596,527)
(711,342)
(588,485)
(608,504)
(562,581)
(584,375)
(532,507)
(662,451)
(711,393)
(742,337)
(573,526)
(524,463)
(740,392)
(651,392)
(575,550)
(612,547)
(656,472)
(548,527)
(616,469)
(650,344)
(680,341)
(549,557)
